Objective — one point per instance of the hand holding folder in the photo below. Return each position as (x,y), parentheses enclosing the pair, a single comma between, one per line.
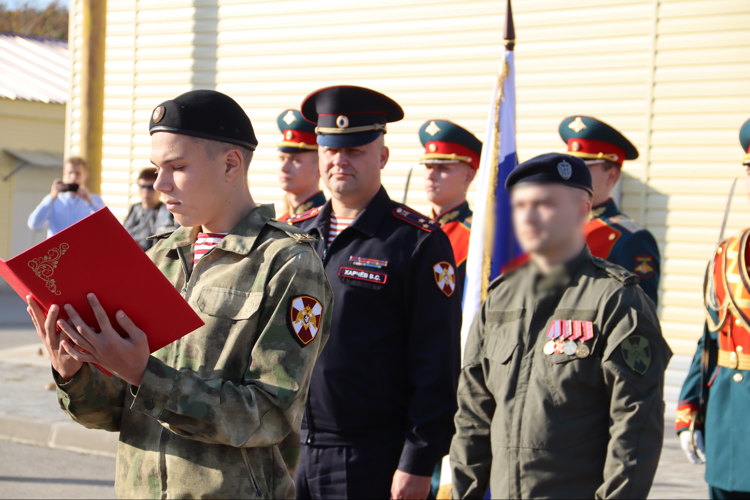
(98,256)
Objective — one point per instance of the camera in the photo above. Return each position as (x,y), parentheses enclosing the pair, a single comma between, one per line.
(69,187)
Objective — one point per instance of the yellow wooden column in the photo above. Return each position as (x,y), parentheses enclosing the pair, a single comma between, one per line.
(92,88)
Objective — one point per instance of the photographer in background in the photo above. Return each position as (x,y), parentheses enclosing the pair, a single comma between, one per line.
(68,201)
(150,216)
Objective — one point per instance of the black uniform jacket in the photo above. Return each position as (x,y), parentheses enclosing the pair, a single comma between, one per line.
(390,369)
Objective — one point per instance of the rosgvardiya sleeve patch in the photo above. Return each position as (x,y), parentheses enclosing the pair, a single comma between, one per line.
(445,277)
(636,352)
(305,316)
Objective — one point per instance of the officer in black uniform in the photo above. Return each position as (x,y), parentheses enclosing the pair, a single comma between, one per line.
(379,415)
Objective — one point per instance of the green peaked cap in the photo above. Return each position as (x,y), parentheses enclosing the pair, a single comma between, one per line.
(588,128)
(446,131)
(745,142)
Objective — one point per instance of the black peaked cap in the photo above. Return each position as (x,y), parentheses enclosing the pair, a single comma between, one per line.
(348,116)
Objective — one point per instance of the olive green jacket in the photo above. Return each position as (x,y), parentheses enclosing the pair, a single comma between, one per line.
(218,413)
(536,425)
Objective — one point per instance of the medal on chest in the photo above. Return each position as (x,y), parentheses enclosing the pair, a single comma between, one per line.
(569,337)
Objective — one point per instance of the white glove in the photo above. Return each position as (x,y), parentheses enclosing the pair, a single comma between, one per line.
(695,454)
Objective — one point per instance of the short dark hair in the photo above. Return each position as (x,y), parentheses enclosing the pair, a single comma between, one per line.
(76,160)
(148,174)
(215,148)
(609,165)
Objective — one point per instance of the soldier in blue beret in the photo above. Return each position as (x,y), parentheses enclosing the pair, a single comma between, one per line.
(383,394)
(611,234)
(298,164)
(561,391)
(451,159)
(715,397)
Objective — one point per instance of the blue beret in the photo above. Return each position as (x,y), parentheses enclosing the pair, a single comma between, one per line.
(348,116)
(552,168)
(206,114)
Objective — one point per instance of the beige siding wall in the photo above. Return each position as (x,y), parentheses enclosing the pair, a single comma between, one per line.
(671,74)
(24,125)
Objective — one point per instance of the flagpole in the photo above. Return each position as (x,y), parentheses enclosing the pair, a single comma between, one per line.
(492,244)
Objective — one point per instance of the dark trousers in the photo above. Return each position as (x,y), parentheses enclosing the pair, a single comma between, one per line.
(357,471)
(719,494)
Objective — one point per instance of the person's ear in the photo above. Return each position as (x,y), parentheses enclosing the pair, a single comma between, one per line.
(613,176)
(470,174)
(233,165)
(385,153)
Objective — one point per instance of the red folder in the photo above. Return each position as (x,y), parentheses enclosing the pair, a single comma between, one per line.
(97,255)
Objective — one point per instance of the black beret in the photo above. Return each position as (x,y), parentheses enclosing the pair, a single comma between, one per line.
(207,114)
(552,168)
(348,116)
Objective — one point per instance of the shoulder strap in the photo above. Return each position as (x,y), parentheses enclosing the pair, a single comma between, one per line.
(414,218)
(160,236)
(294,232)
(307,214)
(614,271)
(625,222)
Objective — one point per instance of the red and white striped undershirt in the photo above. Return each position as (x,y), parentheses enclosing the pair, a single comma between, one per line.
(204,243)
(338,224)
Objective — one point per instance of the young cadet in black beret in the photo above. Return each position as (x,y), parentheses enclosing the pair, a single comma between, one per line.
(611,234)
(217,413)
(380,412)
(298,164)
(561,392)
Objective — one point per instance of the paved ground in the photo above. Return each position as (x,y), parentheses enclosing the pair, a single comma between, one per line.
(675,477)
(35,472)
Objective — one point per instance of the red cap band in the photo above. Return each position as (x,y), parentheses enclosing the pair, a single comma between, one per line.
(589,149)
(462,153)
(299,137)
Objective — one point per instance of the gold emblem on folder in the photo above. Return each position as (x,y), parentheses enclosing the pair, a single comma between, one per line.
(44,267)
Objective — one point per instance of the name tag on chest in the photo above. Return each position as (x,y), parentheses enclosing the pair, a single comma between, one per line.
(362,275)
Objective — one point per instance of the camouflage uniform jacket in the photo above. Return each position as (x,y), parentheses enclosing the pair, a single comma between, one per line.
(218,413)
(538,423)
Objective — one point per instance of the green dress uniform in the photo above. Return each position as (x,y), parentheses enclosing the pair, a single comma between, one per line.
(298,136)
(218,412)
(561,391)
(611,234)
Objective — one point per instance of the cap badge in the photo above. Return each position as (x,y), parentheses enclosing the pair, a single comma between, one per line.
(432,128)
(576,146)
(342,121)
(577,125)
(158,114)
(565,169)
(289,117)
(289,135)
(432,147)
